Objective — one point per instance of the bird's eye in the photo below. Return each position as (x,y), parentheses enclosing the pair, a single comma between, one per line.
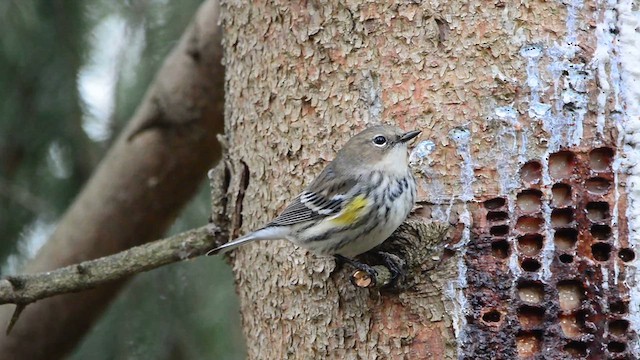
(380,140)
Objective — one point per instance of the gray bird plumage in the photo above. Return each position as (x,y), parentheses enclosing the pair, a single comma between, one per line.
(355,203)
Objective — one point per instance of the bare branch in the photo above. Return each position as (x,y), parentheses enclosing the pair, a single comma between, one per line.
(25,289)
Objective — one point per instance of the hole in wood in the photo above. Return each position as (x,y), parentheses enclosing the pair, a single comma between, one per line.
(529,201)
(561,195)
(530,244)
(601,251)
(597,211)
(618,307)
(496,216)
(576,348)
(616,347)
(570,294)
(561,164)
(528,343)
(561,217)
(530,316)
(531,292)
(565,239)
(495,203)
(597,186)
(600,159)
(531,172)
(618,327)
(572,325)
(530,265)
(528,224)
(600,232)
(499,230)
(626,254)
(566,258)
(500,249)
(492,316)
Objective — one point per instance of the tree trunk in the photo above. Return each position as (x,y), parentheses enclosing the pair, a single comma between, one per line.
(527,106)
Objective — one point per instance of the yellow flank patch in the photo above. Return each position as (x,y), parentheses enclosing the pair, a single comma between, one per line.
(351,212)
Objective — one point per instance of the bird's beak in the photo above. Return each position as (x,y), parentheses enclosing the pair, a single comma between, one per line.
(409,135)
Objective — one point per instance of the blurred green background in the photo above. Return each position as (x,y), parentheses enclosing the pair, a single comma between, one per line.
(71,75)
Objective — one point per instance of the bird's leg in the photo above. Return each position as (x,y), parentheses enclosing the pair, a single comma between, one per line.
(358,265)
(395,265)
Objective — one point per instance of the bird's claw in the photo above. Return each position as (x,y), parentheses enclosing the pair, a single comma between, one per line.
(370,274)
(369,270)
(395,265)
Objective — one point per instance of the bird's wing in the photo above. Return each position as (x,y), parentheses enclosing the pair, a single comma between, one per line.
(326,196)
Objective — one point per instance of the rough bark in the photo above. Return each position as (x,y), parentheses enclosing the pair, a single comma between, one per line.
(152,170)
(494,86)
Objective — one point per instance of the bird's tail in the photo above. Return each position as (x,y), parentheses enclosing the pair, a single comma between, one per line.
(268,233)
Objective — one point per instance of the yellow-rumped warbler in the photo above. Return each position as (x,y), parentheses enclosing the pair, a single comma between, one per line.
(355,204)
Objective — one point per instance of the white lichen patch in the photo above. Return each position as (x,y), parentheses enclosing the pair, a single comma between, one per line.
(628,25)
(461,137)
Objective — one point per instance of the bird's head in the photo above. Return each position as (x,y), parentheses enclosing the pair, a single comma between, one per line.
(381,147)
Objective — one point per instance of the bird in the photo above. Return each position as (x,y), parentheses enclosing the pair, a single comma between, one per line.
(354,205)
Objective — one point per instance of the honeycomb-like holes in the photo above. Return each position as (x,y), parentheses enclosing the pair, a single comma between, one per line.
(597,211)
(529,201)
(561,195)
(567,211)
(531,172)
(565,239)
(529,224)
(561,164)
(576,348)
(597,186)
(616,346)
(500,249)
(618,327)
(497,216)
(561,217)
(528,343)
(600,159)
(626,254)
(492,317)
(530,316)
(531,292)
(600,232)
(571,293)
(499,230)
(573,325)
(530,244)
(601,251)
(495,203)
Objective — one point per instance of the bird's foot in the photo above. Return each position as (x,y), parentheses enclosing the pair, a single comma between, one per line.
(395,264)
